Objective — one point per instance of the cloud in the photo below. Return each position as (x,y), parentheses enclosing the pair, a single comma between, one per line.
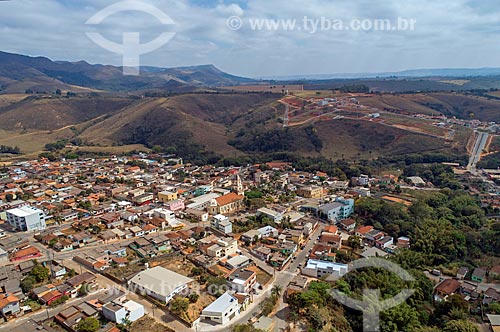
(449,33)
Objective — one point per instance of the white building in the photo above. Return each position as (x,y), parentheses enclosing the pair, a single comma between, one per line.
(222,224)
(223,248)
(159,283)
(275,216)
(26,218)
(121,312)
(222,310)
(318,269)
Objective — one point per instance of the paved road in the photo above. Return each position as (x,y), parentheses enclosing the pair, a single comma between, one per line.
(282,278)
(477,150)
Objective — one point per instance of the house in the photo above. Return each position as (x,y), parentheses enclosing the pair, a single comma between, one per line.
(495,272)
(385,242)
(238,262)
(297,285)
(51,296)
(251,236)
(226,204)
(403,242)
(478,275)
(491,295)
(348,225)
(374,235)
(274,216)
(70,317)
(137,231)
(222,310)
(362,231)
(318,269)
(175,205)
(160,283)
(25,253)
(262,252)
(118,312)
(76,282)
(331,239)
(446,288)
(322,251)
(242,280)
(222,224)
(462,273)
(197,215)
(268,231)
(9,305)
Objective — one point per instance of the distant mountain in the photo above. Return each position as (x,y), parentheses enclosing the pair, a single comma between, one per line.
(439,72)
(19,73)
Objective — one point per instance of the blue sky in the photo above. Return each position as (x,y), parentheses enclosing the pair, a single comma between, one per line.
(448,33)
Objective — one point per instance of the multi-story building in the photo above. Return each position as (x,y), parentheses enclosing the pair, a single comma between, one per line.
(310,192)
(167,196)
(242,280)
(339,210)
(223,248)
(222,224)
(26,218)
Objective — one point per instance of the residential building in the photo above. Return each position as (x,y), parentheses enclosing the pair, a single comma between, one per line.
(223,247)
(222,310)
(275,216)
(242,280)
(222,224)
(319,269)
(118,312)
(310,192)
(26,219)
(478,275)
(339,210)
(446,288)
(160,283)
(167,196)
(9,305)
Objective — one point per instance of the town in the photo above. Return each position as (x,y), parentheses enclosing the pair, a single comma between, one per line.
(101,244)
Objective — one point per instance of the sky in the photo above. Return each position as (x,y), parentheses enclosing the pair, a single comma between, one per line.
(446,34)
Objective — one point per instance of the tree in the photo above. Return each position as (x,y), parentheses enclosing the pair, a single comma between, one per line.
(460,326)
(89,324)
(193,297)
(179,305)
(494,308)
(354,242)
(277,290)
(40,273)
(83,290)
(27,284)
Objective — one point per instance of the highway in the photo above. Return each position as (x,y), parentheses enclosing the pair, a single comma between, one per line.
(479,145)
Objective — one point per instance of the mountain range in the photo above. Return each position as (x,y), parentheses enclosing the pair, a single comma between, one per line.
(19,73)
